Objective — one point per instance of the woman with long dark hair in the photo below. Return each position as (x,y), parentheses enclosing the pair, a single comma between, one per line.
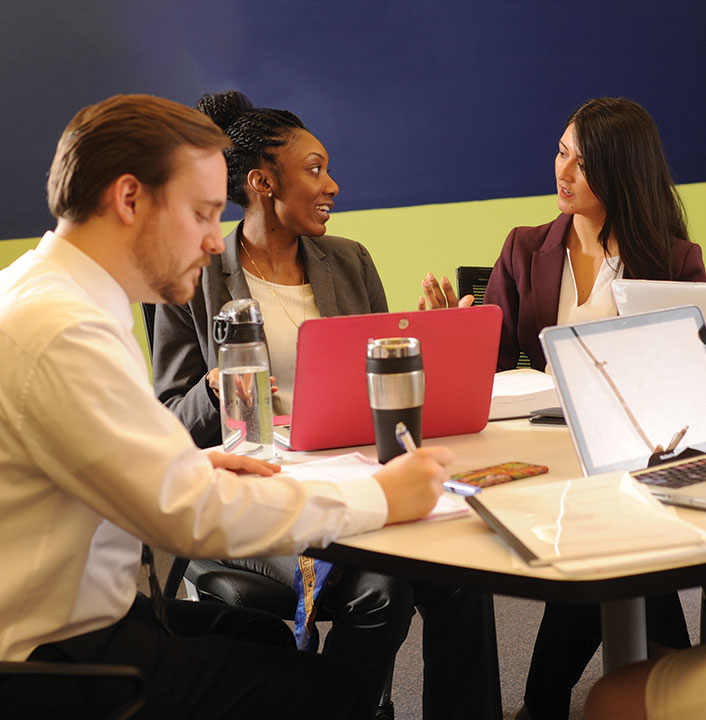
(621,216)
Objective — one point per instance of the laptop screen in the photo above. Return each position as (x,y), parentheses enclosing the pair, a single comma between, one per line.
(637,296)
(627,384)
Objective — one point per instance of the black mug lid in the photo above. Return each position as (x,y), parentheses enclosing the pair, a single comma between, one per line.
(393,355)
(226,332)
(238,321)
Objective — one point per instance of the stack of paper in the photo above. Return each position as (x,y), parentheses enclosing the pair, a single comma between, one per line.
(516,392)
(607,520)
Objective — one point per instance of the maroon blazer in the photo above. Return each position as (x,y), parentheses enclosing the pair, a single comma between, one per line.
(526,280)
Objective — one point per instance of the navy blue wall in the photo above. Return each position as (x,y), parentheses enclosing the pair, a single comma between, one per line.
(418,101)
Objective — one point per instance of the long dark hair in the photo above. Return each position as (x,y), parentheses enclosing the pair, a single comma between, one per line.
(254,132)
(626,169)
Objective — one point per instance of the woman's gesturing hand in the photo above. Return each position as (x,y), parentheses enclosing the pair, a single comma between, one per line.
(441,294)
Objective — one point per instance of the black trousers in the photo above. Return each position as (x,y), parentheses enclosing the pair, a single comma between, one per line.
(568,637)
(220,662)
(371,614)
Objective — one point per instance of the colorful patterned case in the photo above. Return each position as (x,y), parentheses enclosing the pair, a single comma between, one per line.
(496,474)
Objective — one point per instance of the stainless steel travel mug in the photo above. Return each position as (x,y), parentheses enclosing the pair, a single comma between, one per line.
(395,390)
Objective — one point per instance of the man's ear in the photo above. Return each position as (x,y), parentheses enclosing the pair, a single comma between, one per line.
(124,195)
(260,181)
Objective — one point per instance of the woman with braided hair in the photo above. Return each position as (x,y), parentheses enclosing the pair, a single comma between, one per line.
(279,254)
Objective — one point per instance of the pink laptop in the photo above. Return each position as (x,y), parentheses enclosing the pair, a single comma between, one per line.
(330,403)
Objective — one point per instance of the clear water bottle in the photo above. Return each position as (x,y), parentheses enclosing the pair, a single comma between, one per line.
(244,379)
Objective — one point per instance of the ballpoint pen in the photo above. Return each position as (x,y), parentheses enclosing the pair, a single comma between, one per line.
(406,441)
(404,437)
(676,439)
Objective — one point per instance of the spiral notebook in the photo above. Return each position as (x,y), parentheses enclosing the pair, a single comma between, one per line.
(330,400)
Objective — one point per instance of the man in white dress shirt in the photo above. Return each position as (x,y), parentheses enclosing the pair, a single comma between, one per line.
(92,465)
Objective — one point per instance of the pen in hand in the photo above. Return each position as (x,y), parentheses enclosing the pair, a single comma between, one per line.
(404,437)
(406,441)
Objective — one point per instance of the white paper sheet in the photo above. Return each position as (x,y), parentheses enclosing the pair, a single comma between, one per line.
(351,466)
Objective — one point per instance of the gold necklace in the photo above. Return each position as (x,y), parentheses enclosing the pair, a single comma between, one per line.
(274,294)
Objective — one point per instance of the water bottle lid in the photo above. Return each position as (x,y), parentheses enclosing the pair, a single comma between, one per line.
(238,321)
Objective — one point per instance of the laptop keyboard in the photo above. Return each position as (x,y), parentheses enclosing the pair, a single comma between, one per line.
(675,476)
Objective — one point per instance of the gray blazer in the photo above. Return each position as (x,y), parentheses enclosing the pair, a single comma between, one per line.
(344,282)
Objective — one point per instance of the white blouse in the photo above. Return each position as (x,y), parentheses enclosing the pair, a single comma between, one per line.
(281,329)
(600,303)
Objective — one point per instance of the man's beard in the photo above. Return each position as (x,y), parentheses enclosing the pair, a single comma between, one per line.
(159,266)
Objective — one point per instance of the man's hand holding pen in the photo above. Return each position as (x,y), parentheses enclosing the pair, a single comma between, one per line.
(413,482)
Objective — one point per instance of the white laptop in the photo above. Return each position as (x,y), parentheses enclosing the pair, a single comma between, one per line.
(627,384)
(637,296)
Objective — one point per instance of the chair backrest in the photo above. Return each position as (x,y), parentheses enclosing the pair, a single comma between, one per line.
(148,317)
(179,564)
(473,280)
(125,687)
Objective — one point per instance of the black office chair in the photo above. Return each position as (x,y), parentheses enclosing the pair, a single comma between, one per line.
(473,280)
(45,703)
(148,318)
(211,580)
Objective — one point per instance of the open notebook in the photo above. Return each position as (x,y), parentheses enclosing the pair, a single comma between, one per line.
(330,400)
(628,384)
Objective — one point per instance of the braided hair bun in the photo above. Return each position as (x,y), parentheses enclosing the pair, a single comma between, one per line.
(254,132)
(223,108)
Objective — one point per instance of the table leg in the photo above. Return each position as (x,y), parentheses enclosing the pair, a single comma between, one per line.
(624,632)
(487,618)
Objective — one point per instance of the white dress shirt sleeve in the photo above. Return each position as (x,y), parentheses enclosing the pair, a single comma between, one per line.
(92,424)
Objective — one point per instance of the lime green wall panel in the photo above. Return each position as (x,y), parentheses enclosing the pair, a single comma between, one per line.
(408,242)
(10,250)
